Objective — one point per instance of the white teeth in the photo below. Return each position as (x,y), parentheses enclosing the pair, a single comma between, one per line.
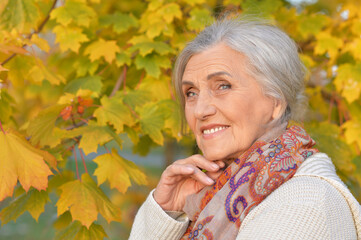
(213,130)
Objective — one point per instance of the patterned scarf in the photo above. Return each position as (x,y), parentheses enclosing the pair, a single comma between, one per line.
(217,212)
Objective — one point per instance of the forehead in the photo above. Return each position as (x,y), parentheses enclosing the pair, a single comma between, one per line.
(217,58)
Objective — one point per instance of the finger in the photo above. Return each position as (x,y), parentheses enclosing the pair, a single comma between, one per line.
(214,175)
(202,177)
(220,163)
(201,162)
(179,169)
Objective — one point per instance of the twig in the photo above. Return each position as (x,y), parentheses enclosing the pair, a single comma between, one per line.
(119,81)
(124,78)
(41,26)
(330,108)
(83,160)
(76,163)
(2,129)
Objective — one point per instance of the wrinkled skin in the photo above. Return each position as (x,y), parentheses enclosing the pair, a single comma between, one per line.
(226,110)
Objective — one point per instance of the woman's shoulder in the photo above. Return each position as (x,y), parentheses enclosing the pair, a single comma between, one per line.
(308,203)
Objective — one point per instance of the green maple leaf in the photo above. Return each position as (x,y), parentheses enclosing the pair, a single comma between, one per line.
(173,117)
(170,11)
(348,81)
(6,110)
(143,145)
(152,122)
(22,15)
(327,140)
(73,12)
(312,24)
(159,88)
(264,8)
(122,58)
(92,83)
(84,66)
(33,201)
(118,171)
(41,128)
(113,111)
(199,18)
(69,38)
(94,135)
(148,47)
(85,201)
(152,63)
(76,231)
(19,68)
(102,48)
(152,24)
(137,98)
(121,22)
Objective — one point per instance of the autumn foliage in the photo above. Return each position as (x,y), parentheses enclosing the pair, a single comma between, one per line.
(76,75)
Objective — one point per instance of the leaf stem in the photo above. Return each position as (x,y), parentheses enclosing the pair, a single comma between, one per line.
(41,26)
(120,79)
(107,149)
(76,163)
(83,160)
(140,80)
(2,129)
(124,78)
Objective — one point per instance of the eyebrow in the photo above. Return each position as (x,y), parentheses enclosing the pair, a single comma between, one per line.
(218,74)
(210,76)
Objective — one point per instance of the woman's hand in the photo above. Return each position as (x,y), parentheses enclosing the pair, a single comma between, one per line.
(185,177)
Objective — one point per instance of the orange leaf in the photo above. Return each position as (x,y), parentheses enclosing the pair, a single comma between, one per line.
(66,112)
(20,160)
(87,102)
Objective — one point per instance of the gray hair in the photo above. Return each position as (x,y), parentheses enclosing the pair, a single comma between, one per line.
(272,55)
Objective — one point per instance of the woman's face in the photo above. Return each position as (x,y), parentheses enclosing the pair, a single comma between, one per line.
(224,106)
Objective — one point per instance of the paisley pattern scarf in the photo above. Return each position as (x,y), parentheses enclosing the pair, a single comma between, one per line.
(217,212)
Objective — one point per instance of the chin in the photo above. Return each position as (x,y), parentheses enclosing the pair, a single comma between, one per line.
(214,155)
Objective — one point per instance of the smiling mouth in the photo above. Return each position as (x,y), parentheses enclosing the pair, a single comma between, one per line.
(214,130)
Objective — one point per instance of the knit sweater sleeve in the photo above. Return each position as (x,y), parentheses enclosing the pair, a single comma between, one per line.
(152,222)
(303,208)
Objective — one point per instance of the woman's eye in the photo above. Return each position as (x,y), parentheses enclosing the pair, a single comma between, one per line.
(225,86)
(190,94)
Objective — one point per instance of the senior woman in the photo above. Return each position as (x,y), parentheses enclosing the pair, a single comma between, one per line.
(240,82)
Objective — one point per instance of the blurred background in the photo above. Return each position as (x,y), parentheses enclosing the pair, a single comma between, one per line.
(81,77)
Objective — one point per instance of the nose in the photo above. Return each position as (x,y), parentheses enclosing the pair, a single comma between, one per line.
(205,107)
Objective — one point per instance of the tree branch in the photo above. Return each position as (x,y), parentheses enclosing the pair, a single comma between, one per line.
(119,81)
(40,27)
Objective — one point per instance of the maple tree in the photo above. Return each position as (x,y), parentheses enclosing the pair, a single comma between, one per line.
(78,74)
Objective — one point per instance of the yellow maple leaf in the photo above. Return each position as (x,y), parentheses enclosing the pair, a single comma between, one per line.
(2,69)
(69,38)
(118,171)
(102,48)
(20,160)
(85,200)
(40,42)
(352,132)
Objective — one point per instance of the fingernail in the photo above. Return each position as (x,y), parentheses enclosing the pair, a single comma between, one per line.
(210,181)
(214,166)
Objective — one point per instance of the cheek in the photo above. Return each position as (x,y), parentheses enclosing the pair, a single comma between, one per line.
(189,117)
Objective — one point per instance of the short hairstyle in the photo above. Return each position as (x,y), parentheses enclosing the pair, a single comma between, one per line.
(272,55)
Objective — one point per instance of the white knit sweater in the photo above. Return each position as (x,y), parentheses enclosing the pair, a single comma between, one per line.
(313,204)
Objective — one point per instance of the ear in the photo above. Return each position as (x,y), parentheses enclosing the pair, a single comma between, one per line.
(278,108)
